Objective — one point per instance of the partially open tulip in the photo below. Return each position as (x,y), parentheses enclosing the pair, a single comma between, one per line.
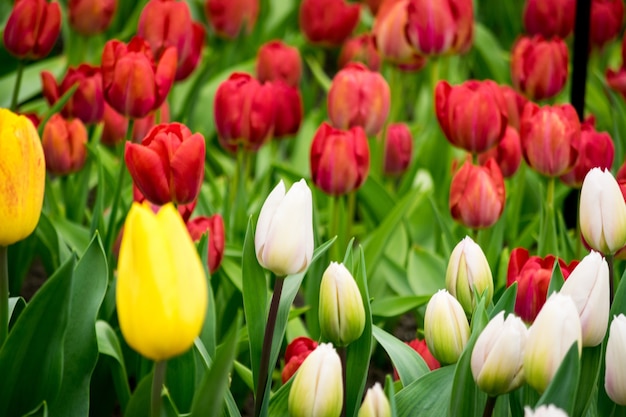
(168,165)
(340,159)
(214,227)
(498,355)
(550,137)
(554,331)
(134,83)
(471,115)
(398,149)
(288,110)
(550,18)
(317,390)
(375,403)
(230,18)
(606,21)
(87,102)
(161,290)
(602,212)
(328,22)
(539,66)
(341,311)
(359,97)
(468,276)
(91,17)
(32,28)
(445,327)
(296,352)
(284,231)
(615,378)
(276,60)
(362,49)
(477,195)
(64,145)
(22,177)
(507,154)
(545,411)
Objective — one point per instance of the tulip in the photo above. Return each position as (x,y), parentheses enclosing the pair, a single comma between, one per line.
(360,48)
(116,126)
(288,111)
(284,232)
(32,28)
(545,411)
(168,165)
(328,22)
(214,227)
(398,149)
(229,18)
(134,84)
(549,18)
(539,66)
(64,145)
(507,154)
(421,347)
(606,21)
(550,137)
(161,290)
(596,151)
(614,378)
(317,390)
(602,212)
(276,60)
(445,327)
(514,103)
(87,102)
(340,160)
(468,276)
(437,27)
(498,355)
(550,337)
(477,195)
(22,177)
(91,17)
(375,403)
(472,115)
(297,351)
(341,311)
(244,112)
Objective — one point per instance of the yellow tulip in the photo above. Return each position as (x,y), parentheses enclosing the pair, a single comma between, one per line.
(161,286)
(22,177)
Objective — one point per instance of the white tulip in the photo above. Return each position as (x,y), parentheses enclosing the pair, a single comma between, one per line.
(545,411)
(375,403)
(615,378)
(445,327)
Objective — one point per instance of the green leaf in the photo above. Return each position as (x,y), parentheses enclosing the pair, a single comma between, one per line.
(390,391)
(109,345)
(408,363)
(556,280)
(562,389)
(208,334)
(40,411)
(490,52)
(33,350)
(318,73)
(427,396)
(31,79)
(16,306)
(80,350)
(180,380)
(506,302)
(279,403)
(396,306)
(590,361)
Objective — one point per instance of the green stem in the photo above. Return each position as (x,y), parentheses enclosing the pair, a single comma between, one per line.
(18,83)
(491,404)
(158,378)
(333,231)
(611,261)
(342,351)
(4,294)
(351,215)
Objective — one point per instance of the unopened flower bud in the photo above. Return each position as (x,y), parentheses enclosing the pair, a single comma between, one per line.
(615,378)
(375,403)
(545,411)
(445,327)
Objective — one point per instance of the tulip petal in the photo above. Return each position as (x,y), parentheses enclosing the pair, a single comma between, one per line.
(187,169)
(148,173)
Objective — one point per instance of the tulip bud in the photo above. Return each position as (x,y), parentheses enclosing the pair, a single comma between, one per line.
(472,115)
(91,17)
(361,48)
(507,154)
(317,389)
(539,66)
(602,212)
(398,149)
(22,177)
(341,312)
(445,327)
(64,145)
(550,18)
(32,28)
(297,351)
(214,226)
(375,403)
(359,97)
(284,232)
(550,337)
(615,378)
(477,195)
(279,61)
(545,411)
(606,21)
(288,111)
(168,165)
(498,355)
(514,103)
(588,285)
(340,160)
(468,276)
(328,22)
(161,292)
(229,18)
(550,138)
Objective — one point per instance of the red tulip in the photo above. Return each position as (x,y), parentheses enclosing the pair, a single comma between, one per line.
(361,48)
(91,17)
(116,126)
(515,103)
(214,226)
(185,210)
(168,165)
(507,154)
(296,353)
(340,159)
(398,149)
(328,22)
(606,21)
(421,348)
(288,111)
(64,145)
(32,28)
(229,18)
(278,61)
(550,18)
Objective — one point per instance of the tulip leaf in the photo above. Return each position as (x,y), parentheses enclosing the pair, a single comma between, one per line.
(180,380)
(562,389)
(40,411)
(56,107)
(208,328)
(31,79)
(33,350)
(506,302)
(426,271)
(279,403)
(548,240)
(80,350)
(427,396)
(139,404)
(557,280)
(16,306)
(488,50)
(408,363)
(318,73)
(397,305)
(109,345)
(590,361)
(390,392)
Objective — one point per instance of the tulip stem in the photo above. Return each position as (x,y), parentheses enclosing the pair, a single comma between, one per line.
(4,294)
(158,378)
(491,404)
(267,346)
(610,261)
(342,351)
(16,86)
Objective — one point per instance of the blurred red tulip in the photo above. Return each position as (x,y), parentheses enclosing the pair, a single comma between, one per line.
(515,103)
(296,353)
(288,110)
(229,18)
(550,18)
(328,22)
(507,154)
(360,48)
(398,149)
(340,159)
(116,126)
(91,17)
(64,145)
(214,226)
(606,21)
(32,28)
(278,61)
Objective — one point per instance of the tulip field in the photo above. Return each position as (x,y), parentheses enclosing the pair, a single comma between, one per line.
(312,208)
